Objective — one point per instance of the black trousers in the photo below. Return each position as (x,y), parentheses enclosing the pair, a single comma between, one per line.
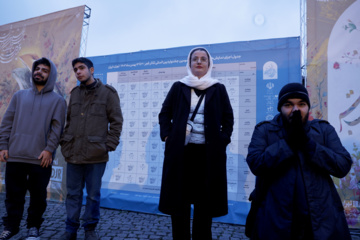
(301,228)
(195,192)
(20,177)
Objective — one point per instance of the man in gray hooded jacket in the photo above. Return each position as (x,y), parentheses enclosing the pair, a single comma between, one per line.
(29,135)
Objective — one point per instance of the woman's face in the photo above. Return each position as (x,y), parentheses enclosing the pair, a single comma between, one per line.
(199,63)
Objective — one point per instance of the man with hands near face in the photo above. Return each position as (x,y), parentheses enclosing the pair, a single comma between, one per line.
(293,160)
(30,132)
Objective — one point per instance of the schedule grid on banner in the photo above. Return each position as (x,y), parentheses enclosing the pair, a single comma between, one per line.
(252,72)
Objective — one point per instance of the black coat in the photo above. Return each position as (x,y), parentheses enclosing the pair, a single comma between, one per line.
(218,123)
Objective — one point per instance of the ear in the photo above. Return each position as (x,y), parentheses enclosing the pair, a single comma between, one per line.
(92,70)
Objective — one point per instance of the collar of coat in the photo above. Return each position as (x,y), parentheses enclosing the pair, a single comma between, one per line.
(96,85)
(187,92)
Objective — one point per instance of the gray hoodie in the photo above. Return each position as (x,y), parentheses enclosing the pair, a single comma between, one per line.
(33,122)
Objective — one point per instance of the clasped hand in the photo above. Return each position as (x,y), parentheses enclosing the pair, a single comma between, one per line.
(296,135)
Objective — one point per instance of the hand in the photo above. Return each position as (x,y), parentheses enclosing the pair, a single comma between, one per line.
(46,158)
(296,135)
(296,120)
(109,149)
(4,154)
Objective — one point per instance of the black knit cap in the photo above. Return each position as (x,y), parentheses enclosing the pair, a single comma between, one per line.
(292,90)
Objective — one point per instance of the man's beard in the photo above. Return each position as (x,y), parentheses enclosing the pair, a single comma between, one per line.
(39,82)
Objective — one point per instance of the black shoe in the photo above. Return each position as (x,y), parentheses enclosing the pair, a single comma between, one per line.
(91,235)
(68,236)
(6,234)
(33,234)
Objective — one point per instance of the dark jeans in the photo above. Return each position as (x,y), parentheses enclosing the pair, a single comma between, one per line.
(77,177)
(20,177)
(195,182)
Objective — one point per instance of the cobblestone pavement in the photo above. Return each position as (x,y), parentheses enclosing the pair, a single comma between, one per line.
(118,224)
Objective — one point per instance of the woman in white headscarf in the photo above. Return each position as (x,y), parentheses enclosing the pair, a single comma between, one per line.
(195,172)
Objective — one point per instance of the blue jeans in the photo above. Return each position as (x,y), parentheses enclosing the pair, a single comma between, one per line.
(77,177)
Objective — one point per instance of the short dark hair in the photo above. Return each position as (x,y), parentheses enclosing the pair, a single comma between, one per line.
(199,49)
(42,61)
(83,60)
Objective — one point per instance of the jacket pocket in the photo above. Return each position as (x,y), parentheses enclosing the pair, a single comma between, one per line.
(225,139)
(98,108)
(67,143)
(75,109)
(96,147)
(26,146)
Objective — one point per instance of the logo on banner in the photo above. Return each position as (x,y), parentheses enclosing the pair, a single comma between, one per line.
(270,70)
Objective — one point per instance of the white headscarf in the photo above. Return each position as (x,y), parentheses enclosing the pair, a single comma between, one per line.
(199,83)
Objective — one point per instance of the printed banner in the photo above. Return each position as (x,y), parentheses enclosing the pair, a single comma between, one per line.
(253,73)
(333,70)
(55,36)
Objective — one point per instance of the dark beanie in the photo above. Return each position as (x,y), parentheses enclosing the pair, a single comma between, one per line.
(292,90)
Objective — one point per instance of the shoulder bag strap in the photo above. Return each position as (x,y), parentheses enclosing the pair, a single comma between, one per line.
(197,107)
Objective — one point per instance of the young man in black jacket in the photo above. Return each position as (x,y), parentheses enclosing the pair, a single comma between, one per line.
(293,159)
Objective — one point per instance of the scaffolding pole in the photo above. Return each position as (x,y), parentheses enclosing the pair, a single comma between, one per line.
(84,32)
(303,40)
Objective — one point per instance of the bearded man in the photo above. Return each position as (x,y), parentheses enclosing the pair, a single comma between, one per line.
(293,160)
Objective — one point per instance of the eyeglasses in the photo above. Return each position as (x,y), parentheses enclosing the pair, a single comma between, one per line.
(202,59)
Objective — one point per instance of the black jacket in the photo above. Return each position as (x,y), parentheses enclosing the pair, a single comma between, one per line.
(275,165)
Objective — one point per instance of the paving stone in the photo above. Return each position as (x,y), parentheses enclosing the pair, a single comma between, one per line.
(118,225)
